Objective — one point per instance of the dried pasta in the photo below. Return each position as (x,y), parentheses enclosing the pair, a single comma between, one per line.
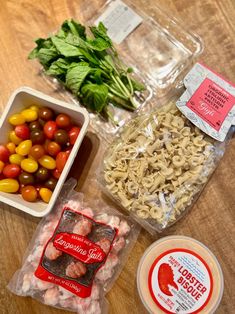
(158,164)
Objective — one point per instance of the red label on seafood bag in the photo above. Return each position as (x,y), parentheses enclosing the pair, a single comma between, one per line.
(80,247)
(180,281)
(75,252)
(211,103)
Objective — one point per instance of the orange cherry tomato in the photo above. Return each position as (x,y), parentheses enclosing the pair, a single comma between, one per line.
(53,148)
(29,193)
(37,151)
(63,121)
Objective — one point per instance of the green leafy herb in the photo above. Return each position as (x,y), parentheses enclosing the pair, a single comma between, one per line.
(89,67)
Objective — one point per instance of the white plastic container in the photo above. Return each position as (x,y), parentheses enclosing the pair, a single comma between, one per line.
(24,97)
(178,274)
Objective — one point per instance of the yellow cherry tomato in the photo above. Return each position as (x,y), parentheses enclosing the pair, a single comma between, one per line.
(11,147)
(16,119)
(45,194)
(34,107)
(9,185)
(24,147)
(16,159)
(14,138)
(47,162)
(29,165)
(29,115)
(1,166)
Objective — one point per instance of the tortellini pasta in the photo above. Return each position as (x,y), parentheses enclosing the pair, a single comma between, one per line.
(158,164)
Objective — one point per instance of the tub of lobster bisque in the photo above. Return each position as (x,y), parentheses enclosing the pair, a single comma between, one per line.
(178,274)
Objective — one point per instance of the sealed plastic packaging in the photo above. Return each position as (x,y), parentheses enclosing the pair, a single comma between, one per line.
(75,255)
(156,46)
(157,166)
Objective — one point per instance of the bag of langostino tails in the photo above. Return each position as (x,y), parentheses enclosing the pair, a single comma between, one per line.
(76,254)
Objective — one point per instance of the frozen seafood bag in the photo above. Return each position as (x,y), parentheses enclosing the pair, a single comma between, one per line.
(75,255)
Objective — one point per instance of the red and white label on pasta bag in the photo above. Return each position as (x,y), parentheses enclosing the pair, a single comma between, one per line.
(180,281)
(75,252)
(208,102)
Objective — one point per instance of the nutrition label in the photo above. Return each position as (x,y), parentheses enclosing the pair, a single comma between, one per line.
(180,281)
(120,20)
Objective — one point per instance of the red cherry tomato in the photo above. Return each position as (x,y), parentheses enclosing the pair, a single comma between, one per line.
(73,134)
(63,121)
(68,150)
(4,153)
(56,173)
(53,148)
(49,129)
(11,171)
(61,159)
(29,193)
(22,131)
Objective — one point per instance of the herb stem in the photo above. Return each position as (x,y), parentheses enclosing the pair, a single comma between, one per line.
(121,102)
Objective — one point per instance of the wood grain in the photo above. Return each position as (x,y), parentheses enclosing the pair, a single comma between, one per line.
(212,219)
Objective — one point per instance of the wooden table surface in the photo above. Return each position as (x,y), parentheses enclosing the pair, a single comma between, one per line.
(212,219)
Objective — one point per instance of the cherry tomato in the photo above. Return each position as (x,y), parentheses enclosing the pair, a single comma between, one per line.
(37,151)
(61,159)
(4,153)
(11,171)
(13,138)
(63,121)
(22,131)
(35,125)
(73,134)
(29,193)
(9,185)
(16,159)
(42,174)
(29,165)
(49,129)
(56,173)
(51,183)
(45,114)
(68,150)
(45,194)
(29,115)
(53,148)
(11,147)
(1,166)
(61,137)
(24,147)
(47,162)
(26,178)
(37,137)
(34,107)
(17,119)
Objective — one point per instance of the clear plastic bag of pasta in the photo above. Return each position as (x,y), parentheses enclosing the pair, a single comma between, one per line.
(158,165)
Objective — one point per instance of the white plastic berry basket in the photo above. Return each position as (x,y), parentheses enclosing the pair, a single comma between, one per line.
(20,99)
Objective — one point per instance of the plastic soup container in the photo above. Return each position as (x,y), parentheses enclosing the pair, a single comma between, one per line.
(23,98)
(179,274)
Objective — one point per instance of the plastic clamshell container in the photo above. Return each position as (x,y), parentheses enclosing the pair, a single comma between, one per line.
(179,274)
(24,97)
(160,50)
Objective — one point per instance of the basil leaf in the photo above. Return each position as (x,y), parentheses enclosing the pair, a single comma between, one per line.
(46,56)
(60,66)
(66,49)
(75,77)
(95,96)
(98,44)
(101,31)
(41,43)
